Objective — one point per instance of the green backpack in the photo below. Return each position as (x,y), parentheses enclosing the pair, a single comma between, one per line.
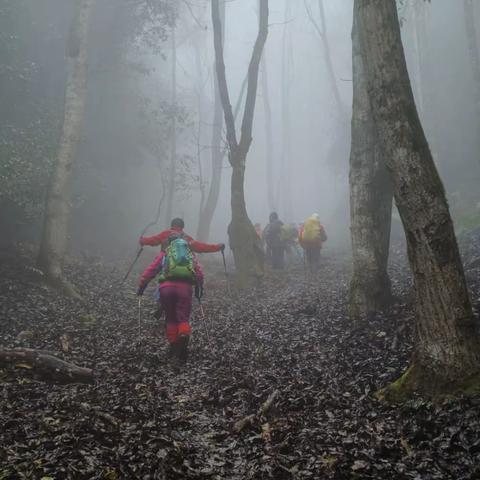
(178,262)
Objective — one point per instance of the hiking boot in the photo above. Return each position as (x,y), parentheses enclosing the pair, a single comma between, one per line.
(182,348)
(172,350)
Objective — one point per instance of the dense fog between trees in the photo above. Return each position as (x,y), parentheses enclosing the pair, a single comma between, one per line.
(122,170)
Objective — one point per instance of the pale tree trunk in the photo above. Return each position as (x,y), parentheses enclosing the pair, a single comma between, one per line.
(322,32)
(285,177)
(446,348)
(416,19)
(370,202)
(200,100)
(474,55)
(172,169)
(245,244)
(55,229)
(211,202)
(268,136)
(328,61)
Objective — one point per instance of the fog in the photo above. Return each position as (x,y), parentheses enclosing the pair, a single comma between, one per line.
(122,168)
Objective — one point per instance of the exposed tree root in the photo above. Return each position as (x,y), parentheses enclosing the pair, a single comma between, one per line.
(62,286)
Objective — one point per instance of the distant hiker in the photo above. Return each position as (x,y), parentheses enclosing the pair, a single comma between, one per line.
(275,245)
(289,236)
(178,272)
(176,228)
(258,230)
(312,235)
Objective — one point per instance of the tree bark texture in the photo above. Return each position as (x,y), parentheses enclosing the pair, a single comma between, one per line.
(217,155)
(55,229)
(370,202)
(416,19)
(245,244)
(474,55)
(446,346)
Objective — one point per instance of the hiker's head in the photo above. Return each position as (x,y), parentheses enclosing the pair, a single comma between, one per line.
(177,223)
(273,216)
(258,225)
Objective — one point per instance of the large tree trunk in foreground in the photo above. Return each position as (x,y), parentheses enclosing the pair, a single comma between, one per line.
(370,202)
(246,245)
(46,365)
(474,55)
(447,350)
(54,236)
(211,202)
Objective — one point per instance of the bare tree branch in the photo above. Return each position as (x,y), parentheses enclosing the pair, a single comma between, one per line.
(221,78)
(246,131)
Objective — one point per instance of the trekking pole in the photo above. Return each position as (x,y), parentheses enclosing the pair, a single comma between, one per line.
(305,266)
(137,256)
(204,319)
(226,273)
(139,316)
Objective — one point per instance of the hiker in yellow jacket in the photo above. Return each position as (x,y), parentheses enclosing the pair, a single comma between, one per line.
(311,237)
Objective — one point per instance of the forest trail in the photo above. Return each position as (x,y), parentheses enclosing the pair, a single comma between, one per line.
(142,419)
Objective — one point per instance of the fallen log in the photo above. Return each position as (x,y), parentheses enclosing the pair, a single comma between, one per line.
(45,365)
(250,419)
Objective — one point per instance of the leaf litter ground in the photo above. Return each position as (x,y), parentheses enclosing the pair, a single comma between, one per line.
(144,420)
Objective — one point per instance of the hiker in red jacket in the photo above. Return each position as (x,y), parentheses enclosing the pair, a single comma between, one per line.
(176,227)
(179,275)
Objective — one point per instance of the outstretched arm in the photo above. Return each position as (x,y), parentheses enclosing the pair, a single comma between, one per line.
(200,247)
(154,240)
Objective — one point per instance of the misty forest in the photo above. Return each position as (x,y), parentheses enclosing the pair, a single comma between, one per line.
(240,239)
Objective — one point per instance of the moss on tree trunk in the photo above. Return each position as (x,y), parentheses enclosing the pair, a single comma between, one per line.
(447,353)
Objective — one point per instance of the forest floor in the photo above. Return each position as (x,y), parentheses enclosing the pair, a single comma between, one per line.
(144,420)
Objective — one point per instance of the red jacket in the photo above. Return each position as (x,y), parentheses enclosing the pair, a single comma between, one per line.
(162,237)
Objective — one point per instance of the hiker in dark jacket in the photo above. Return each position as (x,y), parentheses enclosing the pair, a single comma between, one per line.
(275,244)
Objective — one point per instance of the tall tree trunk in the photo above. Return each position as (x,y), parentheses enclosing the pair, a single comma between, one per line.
(447,350)
(245,244)
(208,210)
(200,100)
(370,202)
(268,136)
(54,237)
(416,19)
(474,55)
(329,63)
(284,193)
(172,169)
